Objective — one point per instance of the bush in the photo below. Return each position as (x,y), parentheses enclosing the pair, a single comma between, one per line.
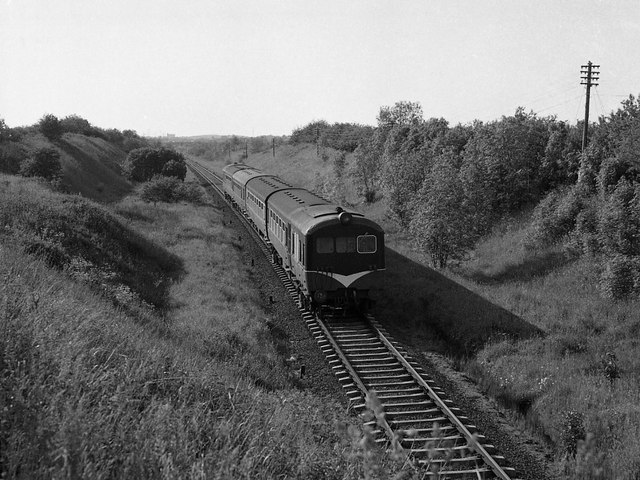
(621,277)
(619,217)
(12,154)
(170,189)
(143,163)
(586,232)
(50,126)
(44,162)
(76,124)
(174,168)
(555,216)
(573,431)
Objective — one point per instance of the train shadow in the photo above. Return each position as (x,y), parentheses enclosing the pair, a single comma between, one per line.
(421,306)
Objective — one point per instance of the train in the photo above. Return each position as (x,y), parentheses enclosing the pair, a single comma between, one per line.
(334,255)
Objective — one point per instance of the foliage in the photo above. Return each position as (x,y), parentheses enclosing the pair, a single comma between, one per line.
(174,168)
(555,216)
(511,151)
(340,136)
(5,132)
(401,113)
(44,162)
(573,431)
(619,220)
(12,154)
(77,124)
(408,153)
(366,170)
(169,189)
(50,126)
(621,277)
(442,224)
(70,232)
(143,163)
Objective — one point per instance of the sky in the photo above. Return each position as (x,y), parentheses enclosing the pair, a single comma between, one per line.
(266,67)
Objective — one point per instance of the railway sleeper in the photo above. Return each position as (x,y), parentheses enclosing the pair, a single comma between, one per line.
(424,440)
(424,403)
(363,348)
(366,378)
(385,369)
(406,391)
(417,421)
(404,413)
(388,385)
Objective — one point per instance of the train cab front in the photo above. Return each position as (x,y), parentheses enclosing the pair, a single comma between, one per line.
(345,263)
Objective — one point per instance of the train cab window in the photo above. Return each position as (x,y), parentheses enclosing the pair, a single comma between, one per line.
(324,245)
(367,244)
(345,244)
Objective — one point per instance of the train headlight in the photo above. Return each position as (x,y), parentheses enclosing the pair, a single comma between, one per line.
(320,296)
(345,218)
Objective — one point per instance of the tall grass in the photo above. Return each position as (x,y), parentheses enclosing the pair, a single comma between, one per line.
(197,390)
(585,363)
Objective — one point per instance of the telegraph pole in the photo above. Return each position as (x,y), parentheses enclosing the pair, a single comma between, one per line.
(589,77)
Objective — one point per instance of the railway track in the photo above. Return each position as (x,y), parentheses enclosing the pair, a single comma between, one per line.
(402,407)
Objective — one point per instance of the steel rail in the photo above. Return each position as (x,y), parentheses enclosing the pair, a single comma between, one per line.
(473,442)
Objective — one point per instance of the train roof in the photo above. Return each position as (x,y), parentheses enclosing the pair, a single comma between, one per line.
(265,186)
(234,167)
(245,175)
(309,212)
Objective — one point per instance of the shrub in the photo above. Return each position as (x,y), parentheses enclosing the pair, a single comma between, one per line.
(12,154)
(170,189)
(555,216)
(573,431)
(174,168)
(44,162)
(620,220)
(50,126)
(611,170)
(621,277)
(587,229)
(143,163)
(76,124)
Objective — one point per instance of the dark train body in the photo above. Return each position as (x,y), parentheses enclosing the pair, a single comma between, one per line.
(333,255)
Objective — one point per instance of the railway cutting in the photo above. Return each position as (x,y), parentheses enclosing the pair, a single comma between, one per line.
(402,408)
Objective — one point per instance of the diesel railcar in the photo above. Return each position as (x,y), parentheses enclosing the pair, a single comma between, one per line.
(334,255)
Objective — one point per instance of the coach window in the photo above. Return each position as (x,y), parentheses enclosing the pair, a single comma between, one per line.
(324,245)
(345,244)
(367,244)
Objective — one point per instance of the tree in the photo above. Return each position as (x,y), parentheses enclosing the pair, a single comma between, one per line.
(441,224)
(5,131)
(76,124)
(44,162)
(175,168)
(143,163)
(50,126)
(619,225)
(402,113)
(366,170)
(510,152)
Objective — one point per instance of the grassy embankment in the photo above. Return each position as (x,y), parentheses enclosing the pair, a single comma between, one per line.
(133,345)
(530,326)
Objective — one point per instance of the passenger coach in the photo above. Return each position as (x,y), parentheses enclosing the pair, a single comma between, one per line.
(333,255)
